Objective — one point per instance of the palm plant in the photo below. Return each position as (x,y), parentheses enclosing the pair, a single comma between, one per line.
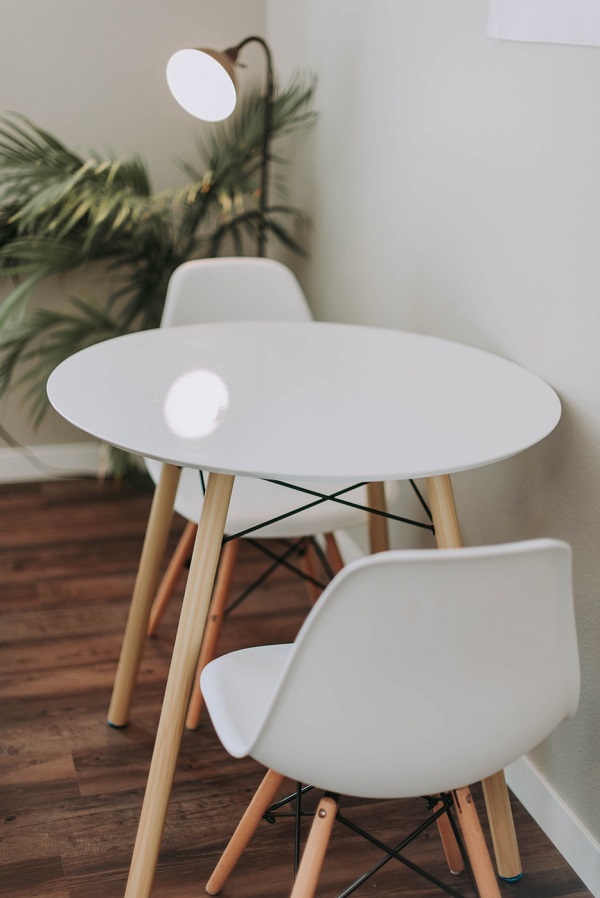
(60,210)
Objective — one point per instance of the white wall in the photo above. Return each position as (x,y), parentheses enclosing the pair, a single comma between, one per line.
(454,186)
(94,75)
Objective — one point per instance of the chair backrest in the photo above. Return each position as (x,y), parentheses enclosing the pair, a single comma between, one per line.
(423,671)
(233,289)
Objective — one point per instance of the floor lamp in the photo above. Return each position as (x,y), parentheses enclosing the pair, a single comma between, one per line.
(203,82)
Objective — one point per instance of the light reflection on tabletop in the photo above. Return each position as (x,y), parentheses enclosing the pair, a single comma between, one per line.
(195,404)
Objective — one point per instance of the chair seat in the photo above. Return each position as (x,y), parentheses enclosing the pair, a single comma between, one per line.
(254,501)
(238,688)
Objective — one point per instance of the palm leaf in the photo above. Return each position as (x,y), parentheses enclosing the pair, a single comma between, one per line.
(37,344)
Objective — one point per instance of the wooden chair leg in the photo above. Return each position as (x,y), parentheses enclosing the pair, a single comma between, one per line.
(316,848)
(308,562)
(334,559)
(452,852)
(182,553)
(260,804)
(334,556)
(213,627)
(479,857)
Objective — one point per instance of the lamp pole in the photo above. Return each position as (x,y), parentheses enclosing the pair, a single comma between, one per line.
(233,52)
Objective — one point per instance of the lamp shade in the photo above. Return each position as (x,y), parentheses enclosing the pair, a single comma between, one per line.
(202,82)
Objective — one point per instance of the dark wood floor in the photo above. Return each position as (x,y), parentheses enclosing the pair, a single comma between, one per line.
(71,788)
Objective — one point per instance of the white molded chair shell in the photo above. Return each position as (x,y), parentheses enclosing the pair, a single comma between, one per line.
(233,289)
(416,672)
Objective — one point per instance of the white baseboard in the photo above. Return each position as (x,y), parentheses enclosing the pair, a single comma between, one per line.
(45,462)
(576,844)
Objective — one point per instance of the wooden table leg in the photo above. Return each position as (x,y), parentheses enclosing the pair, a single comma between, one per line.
(506,849)
(155,542)
(186,650)
(378,525)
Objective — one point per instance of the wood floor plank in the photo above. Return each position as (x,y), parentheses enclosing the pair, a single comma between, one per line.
(41,878)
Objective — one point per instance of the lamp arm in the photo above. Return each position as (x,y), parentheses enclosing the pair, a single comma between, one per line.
(268,122)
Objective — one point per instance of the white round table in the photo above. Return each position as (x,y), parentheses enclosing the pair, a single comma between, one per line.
(287,401)
(304,401)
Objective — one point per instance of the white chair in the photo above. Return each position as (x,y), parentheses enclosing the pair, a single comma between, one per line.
(244,289)
(416,673)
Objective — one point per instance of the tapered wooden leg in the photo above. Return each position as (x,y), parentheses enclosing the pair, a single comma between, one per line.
(443,512)
(254,813)
(194,610)
(378,529)
(502,827)
(479,857)
(182,553)
(316,848)
(454,858)
(506,849)
(310,567)
(213,627)
(334,557)
(155,541)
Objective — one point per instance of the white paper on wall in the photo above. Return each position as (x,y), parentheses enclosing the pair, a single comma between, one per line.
(548,21)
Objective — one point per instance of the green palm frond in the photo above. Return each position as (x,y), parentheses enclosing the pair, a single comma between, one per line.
(28,262)
(37,344)
(233,151)
(55,192)
(26,147)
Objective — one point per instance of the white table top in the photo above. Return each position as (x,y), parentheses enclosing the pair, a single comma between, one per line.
(304,401)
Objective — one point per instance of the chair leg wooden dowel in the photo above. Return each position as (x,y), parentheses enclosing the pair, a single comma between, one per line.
(334,556)
(316,848)
(213,627)
(308,562)
(180,556)
(260,804)
(452,852)
(477,850)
